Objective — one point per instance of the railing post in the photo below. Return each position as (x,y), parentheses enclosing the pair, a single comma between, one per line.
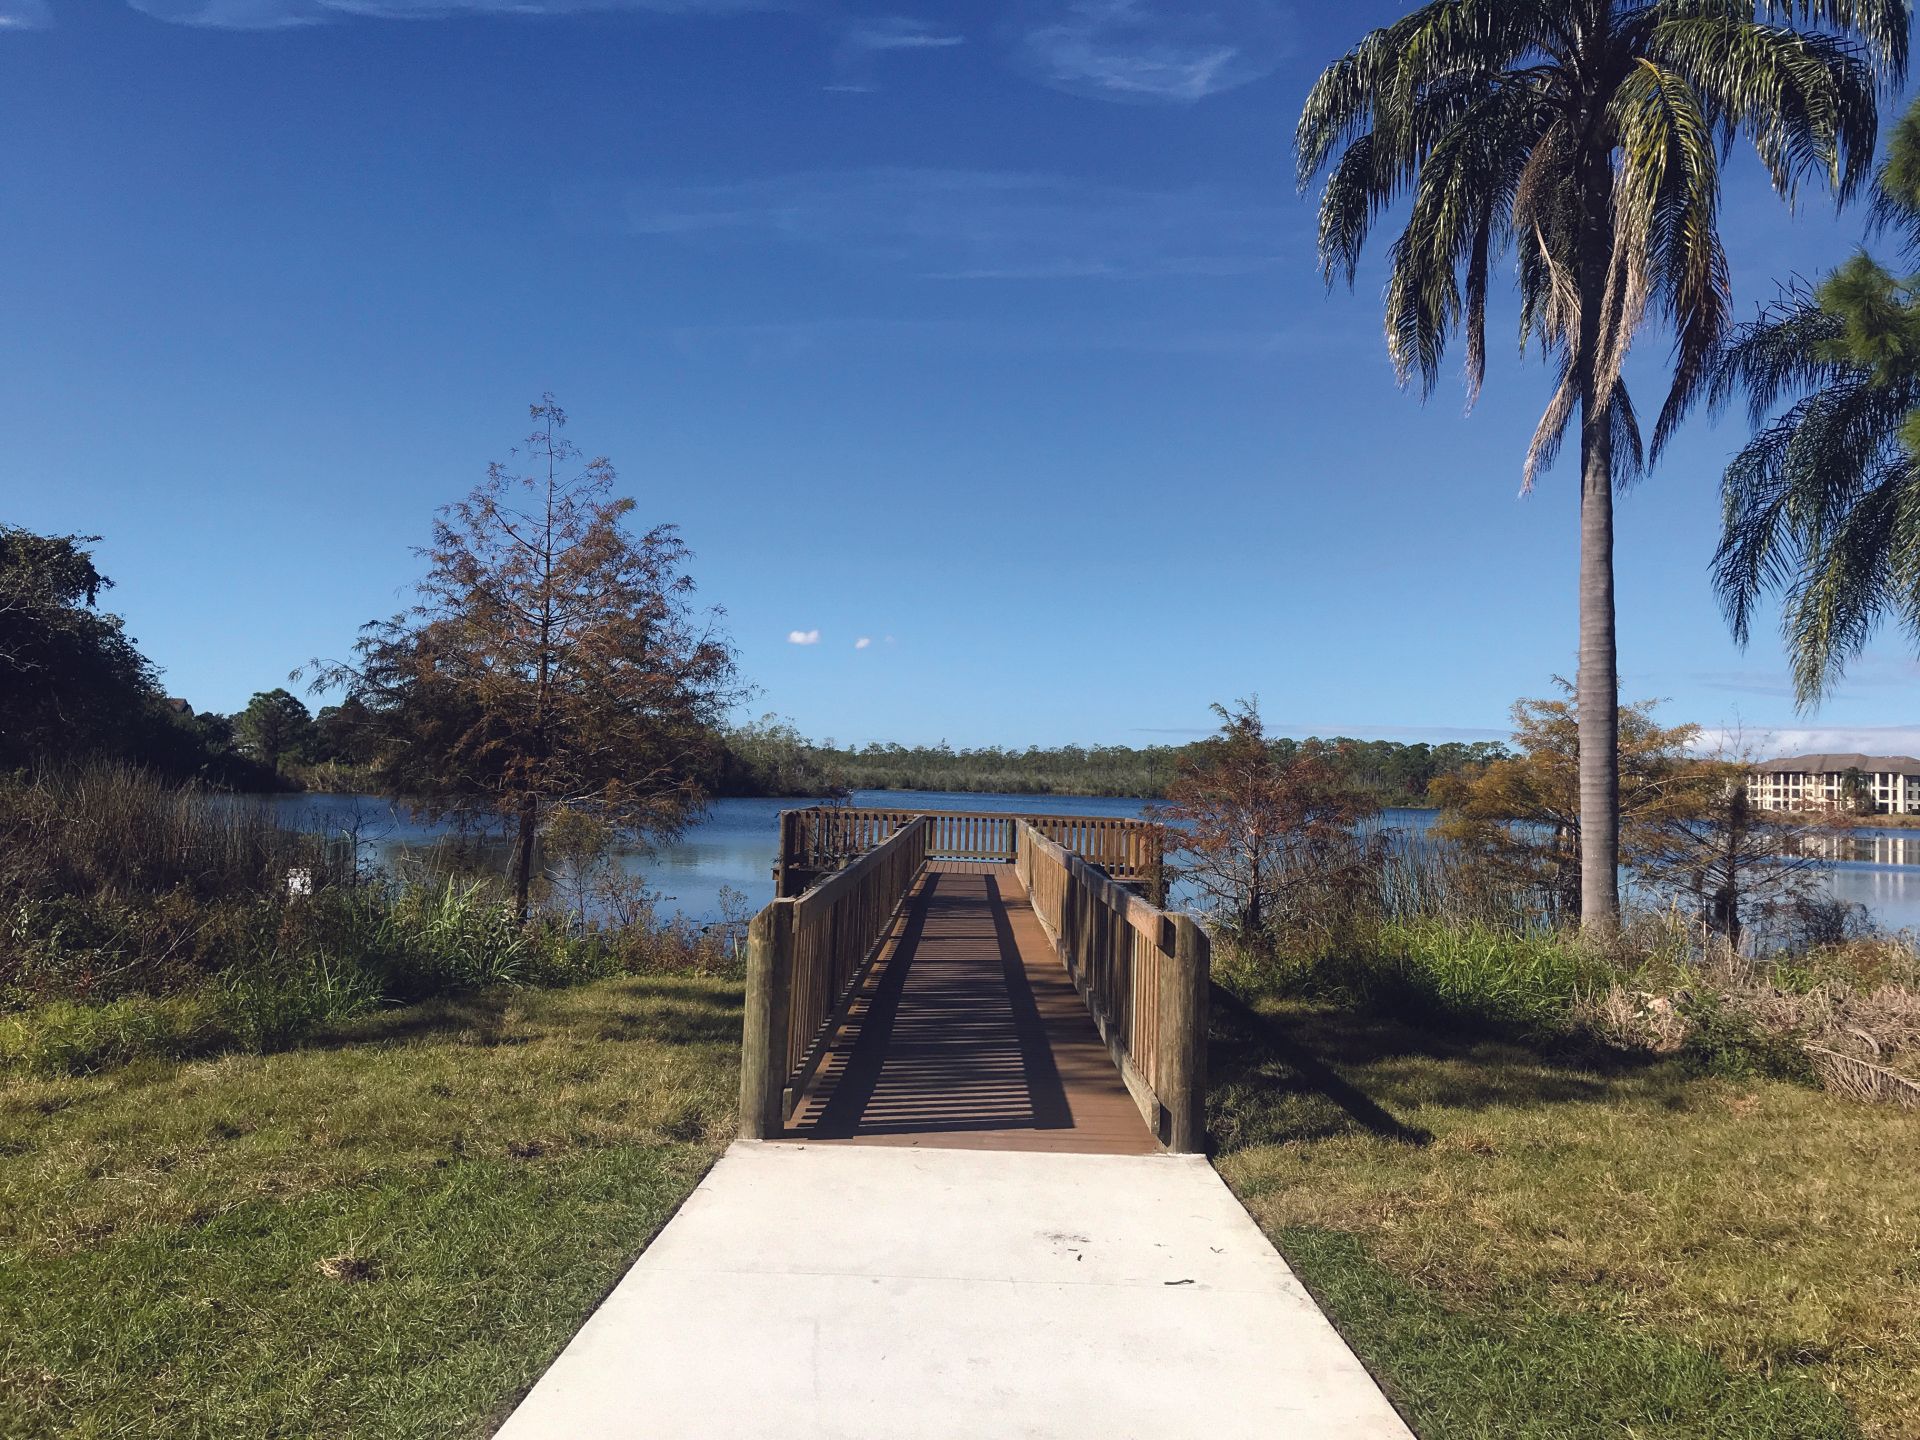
(1183,1037)
(763,1050)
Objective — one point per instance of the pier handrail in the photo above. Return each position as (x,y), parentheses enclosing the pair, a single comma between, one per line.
(1143,973)
(804,956)
(823,837)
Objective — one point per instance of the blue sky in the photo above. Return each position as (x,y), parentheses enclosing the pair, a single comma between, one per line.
(988,333)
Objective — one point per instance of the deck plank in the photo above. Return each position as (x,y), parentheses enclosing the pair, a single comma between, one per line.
(968,1034)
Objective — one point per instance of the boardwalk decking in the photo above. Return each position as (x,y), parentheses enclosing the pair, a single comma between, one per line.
(968,1034)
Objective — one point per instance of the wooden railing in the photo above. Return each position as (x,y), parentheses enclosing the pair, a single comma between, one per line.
(1143,973)
(822,838)
(804,957)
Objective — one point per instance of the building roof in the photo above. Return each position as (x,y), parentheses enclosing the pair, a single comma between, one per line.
(1835,764)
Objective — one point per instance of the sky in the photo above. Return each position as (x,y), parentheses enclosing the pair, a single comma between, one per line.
(978,350)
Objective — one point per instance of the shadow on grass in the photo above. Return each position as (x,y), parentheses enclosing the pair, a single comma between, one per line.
(665,1010)
(1286,1071)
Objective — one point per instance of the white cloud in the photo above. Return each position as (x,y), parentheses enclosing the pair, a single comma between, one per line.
(861,44)
(898,32)
(966,224)
(803,637)
(25,15)
(1150,50)
(1766,740)
(863,642)
(282,14)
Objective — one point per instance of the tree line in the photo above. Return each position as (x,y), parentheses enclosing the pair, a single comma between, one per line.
(771,757)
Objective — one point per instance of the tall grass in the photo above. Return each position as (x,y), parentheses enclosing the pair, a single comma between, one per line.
(1442,938)
(142,918)
(114,829)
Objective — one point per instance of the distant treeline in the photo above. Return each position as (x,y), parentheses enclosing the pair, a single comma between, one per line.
(772,758)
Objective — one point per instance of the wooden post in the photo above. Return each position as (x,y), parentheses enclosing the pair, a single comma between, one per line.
(1183,1038)
(780,860)
(763,1049)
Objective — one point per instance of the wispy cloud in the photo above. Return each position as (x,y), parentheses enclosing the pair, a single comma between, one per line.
(966,224)
(25,15)
(1765,740)
(1150,50)
(1774,684)
(803,637)
(863,642)
(1870,672)
(284,14)
(862,43)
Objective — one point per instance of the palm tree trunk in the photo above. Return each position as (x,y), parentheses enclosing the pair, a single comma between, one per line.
(1597,688)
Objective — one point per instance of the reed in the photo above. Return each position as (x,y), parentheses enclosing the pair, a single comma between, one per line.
(143,918)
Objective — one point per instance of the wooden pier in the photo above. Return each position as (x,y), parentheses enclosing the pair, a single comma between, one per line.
(1017,995)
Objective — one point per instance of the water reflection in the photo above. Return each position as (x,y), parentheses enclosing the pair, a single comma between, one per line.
(1864,847)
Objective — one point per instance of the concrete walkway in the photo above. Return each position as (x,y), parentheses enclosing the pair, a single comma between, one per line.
(891,1294)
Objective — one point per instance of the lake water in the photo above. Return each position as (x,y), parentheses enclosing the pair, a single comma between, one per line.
(734,846)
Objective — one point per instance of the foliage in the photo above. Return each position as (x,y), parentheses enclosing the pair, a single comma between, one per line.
(275,727)
(1522,815)
(70,678)
(769,756)
(774,759)
(1736,861)
(1268,841)
(552,658)
(1823,504)
(73,685)
(1585,135)
(143,917)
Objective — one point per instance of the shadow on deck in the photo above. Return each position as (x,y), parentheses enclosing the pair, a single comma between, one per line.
(969,1034)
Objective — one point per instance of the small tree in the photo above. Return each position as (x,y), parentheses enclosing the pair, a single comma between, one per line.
(1265,832)
(274,726)
(1856,791)
(552,658)
(1522,815)
(1730,857)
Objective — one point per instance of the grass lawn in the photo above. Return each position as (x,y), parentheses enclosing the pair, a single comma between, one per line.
(389,1233)
(1525,1246)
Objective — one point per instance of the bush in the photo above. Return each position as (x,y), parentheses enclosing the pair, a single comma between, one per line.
(1724,1040)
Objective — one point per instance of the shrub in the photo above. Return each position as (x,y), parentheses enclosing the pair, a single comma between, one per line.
(1725,1040)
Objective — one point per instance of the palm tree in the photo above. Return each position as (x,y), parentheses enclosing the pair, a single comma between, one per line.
(1585,135)
(1823,503)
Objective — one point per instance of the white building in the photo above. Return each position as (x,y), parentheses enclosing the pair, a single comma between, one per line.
(1890,783)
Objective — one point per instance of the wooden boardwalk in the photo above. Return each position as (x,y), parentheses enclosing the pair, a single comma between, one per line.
(968,1034)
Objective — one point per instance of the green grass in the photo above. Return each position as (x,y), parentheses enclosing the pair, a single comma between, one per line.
(389,1232)
(1531,1244)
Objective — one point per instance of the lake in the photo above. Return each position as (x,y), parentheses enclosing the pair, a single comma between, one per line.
(733,846)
